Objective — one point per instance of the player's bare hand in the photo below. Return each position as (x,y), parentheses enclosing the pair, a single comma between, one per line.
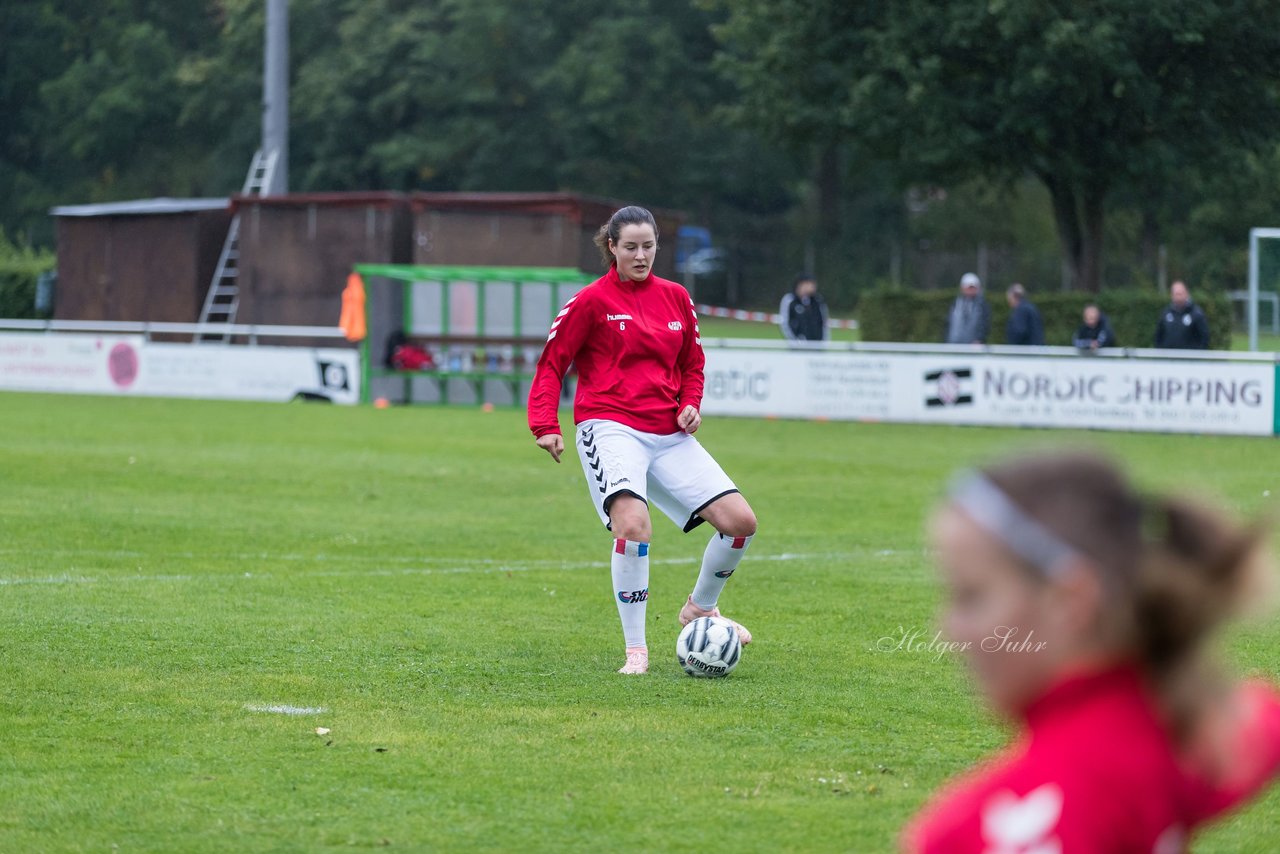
(689,419)
(553,444)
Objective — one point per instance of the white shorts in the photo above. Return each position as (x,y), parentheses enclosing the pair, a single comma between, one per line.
(673,473)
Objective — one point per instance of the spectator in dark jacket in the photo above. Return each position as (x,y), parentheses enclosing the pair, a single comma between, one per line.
(969,321)
(1095,333)
(1025,326)
(1183,325)
(803,313)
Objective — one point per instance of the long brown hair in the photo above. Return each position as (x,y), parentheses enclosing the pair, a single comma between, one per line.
(630,215)
(1174,569)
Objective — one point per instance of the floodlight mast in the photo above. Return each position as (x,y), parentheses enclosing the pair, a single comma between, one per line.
(275,95)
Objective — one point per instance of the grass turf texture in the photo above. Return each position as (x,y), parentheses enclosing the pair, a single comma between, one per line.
(727,327)
(429,578)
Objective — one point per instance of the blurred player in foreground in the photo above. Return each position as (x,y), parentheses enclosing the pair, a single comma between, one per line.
(634,338)
(1084,610)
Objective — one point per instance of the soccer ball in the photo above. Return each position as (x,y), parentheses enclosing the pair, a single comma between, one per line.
(708,647)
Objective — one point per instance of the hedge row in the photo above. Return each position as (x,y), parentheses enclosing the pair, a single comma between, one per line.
(20,267)
(921,316)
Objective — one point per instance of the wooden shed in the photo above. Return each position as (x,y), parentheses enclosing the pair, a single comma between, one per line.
(154,259)
(143,260)
(523,229)
(296,251)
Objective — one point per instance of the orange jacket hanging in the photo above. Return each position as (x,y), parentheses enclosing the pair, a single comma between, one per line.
(352,320)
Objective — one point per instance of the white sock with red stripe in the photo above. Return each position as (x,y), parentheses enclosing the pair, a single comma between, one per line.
(630,565)
(718,563)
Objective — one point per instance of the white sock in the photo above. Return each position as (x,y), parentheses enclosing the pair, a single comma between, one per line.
(718,563)
(630,567)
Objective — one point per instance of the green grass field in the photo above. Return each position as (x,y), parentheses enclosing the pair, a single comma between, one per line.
(434,584)
(1267,343)
(726,327)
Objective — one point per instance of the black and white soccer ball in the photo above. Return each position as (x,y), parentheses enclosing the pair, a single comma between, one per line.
(709,647)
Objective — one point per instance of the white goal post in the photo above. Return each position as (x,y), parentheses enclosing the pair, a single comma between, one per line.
(1256,235)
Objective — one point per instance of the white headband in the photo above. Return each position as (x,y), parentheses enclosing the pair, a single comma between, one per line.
(985,503)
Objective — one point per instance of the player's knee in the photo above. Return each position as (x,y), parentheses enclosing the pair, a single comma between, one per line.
(742,524)
(632,528)
(629,519)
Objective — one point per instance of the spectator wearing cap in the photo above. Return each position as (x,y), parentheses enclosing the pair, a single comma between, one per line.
(969,321)
(1024,326)
(1183,325)
(803,313)
(1095,332)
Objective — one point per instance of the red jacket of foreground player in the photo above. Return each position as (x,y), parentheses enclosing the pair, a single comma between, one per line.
(638,352)
(1096,773)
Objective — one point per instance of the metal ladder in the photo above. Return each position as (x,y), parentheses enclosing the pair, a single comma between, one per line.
(223,299)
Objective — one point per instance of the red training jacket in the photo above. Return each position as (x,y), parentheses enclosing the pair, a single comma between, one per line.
(1095,772)
(638,352)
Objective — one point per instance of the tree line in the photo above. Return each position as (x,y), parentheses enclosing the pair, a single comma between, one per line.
(880,144)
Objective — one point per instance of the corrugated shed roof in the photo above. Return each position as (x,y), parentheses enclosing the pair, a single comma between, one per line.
(577,206)
(143,207)
(324,200)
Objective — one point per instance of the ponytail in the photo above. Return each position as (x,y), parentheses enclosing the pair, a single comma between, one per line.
(1197,571)
(601,240)
(611,230)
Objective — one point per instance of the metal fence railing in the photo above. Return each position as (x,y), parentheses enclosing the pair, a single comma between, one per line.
(249,332)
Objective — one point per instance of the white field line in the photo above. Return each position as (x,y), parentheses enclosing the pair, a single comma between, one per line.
(66,578)
(276,709)
(322,557)
(462,567)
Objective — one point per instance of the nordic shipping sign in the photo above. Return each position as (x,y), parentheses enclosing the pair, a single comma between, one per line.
(1150,394)
(1120,394)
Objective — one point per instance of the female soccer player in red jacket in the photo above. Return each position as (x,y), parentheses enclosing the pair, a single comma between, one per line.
(634,339)
(1084,610)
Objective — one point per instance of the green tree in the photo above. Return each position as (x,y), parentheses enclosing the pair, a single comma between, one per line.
(1091,98)
(91,95)
(20,270)
(525,95)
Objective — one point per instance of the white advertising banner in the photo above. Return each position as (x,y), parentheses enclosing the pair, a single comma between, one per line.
(89,364)
(131,365)
(251,373)
(1172,395)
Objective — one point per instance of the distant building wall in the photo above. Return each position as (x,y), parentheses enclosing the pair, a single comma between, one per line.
(296,251)
(154,259)
(146,261)
(523,229)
